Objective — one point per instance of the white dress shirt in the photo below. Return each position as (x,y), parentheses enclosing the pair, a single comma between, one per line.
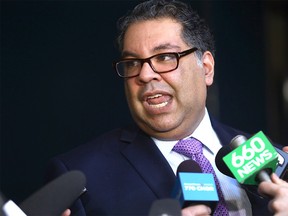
(236,198)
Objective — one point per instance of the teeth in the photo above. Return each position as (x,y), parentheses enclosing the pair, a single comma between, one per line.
(154,105)
(155,96)
(159,105)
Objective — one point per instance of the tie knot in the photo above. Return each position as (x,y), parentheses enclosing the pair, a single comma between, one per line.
(188,147)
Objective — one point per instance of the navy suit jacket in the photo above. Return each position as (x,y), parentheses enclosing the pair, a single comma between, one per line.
(126,172)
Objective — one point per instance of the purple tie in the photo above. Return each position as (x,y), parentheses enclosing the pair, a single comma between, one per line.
(192,148)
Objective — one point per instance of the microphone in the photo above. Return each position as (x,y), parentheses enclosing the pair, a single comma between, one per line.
(57,196)
(165,207)
(282,166)
(281,169)
(193,187)
(249,161)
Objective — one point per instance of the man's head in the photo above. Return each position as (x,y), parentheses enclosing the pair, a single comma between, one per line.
(167,105)
(195,31)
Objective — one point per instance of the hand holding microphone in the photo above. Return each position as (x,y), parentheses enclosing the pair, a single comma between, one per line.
(254,160)
(278,190)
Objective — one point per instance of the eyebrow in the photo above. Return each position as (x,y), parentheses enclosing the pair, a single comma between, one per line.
(128,53)
(158,48)
(165,47)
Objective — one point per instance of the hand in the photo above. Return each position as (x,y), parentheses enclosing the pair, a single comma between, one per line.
(278,190)
(196,210)
(67,212)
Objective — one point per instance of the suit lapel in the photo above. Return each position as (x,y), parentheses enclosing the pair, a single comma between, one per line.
(224,132)
(148,161)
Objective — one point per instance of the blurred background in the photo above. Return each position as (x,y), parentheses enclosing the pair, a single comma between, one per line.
(58,88)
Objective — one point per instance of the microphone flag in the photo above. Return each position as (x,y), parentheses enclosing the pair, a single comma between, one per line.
(193,188)
(251,157)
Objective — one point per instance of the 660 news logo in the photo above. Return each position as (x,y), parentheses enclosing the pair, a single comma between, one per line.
(249,158)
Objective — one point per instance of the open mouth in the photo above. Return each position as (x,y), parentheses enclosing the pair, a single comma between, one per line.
(158,100)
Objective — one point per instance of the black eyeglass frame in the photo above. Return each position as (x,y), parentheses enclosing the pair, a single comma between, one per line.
(142,61)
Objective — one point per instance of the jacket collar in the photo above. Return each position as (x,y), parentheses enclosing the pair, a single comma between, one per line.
(224,132)
(142,153)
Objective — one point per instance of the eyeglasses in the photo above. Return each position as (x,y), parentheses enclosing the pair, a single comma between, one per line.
(160,63)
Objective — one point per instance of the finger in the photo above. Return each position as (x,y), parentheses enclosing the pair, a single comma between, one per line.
(278,206)
(267,188)
(67,212)
(285,149)
(277,180)
(196,210)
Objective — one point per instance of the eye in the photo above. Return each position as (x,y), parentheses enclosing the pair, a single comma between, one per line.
(165,57)
(132,63)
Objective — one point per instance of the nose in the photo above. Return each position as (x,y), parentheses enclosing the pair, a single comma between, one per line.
(147,74)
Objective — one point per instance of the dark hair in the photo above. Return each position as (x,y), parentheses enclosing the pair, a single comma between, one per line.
(195,31)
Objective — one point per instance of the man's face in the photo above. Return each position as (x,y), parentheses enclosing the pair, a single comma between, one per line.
(167,106)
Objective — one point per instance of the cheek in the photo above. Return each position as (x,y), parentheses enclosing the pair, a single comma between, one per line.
(128,91)
(131,93)
(192,85)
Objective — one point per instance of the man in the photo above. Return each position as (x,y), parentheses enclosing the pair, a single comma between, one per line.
(167,64)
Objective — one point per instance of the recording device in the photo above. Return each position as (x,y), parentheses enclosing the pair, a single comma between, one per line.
(51,200)
(193,187)
(165,207)
(56,196)
(252,161)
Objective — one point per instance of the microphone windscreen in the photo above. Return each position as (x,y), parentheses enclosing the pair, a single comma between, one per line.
(55,197)
(189,166)
(167,207)
(220,164)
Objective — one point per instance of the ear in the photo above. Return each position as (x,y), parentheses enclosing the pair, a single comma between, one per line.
(208,65)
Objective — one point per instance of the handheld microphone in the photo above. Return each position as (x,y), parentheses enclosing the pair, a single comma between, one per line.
(57,196)
(250,161)
(281,169)
(165,207)
(193,187)
(282,166)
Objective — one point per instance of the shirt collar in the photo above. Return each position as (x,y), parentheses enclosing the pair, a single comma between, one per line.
(204,133)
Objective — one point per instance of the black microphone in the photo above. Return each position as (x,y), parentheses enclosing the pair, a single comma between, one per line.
(165,207)
(189,166)
(193,187)
(221,166)
(57,196)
